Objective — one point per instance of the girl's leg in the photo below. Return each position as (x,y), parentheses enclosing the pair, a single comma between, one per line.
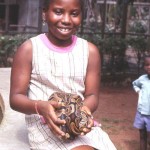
(83,147)
(143,139)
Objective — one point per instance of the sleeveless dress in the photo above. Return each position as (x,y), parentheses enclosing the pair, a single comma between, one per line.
(55,70)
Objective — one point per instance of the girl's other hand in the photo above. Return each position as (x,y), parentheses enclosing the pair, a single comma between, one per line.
(90,121)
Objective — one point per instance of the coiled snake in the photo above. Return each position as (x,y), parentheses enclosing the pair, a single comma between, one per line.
(71,112)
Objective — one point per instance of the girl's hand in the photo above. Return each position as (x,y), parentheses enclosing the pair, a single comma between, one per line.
(90,121)
(47,110)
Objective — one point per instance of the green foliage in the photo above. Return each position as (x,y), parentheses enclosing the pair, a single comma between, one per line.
(133,11)
(114,48)
(138,27)
(141,47)
(94,38)
(114,45)
(9,45)
(139,43)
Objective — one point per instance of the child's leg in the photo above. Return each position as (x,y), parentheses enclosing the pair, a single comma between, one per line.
(148,131)
(141,123)
(148,139)
(143,139)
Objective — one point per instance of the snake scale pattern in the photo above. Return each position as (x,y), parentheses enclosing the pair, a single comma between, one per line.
(70,111)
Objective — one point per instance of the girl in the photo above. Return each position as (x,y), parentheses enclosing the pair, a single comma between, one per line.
(57,61)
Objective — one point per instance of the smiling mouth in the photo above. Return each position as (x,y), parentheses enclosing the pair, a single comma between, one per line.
(64,30)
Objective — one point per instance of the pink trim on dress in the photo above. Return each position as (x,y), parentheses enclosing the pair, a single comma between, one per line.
(53,47)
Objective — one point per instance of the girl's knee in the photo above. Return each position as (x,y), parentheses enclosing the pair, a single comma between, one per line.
(83,147)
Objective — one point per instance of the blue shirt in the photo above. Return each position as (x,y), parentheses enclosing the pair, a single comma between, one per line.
(142,86)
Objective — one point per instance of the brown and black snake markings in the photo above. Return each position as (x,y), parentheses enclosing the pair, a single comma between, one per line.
(70,111)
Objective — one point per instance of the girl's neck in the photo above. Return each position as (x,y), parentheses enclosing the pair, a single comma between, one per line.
(59,42)
(54,47)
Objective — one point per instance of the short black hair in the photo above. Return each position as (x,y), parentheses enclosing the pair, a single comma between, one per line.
(144,58)
(46,3)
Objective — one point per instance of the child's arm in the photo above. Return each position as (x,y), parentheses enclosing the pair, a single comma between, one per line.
(136,85)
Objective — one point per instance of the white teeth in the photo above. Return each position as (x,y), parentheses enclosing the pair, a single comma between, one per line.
(64,30)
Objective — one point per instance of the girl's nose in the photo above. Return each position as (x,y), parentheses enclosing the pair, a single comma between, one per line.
(66,19)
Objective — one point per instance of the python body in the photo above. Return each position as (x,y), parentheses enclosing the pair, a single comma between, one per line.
(71,112)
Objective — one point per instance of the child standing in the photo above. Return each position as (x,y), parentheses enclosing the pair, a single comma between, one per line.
(57,61)
(142,118)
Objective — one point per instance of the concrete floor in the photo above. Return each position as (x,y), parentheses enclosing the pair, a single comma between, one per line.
(13,133)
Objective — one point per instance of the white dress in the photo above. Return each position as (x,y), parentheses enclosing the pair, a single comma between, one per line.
(63,71)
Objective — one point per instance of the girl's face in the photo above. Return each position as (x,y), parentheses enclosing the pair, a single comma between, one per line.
(147,65)
(63,18)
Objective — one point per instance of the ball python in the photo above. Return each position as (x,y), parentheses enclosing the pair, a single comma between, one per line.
(71,112)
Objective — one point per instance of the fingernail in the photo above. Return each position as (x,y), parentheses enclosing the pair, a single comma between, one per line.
(63,134)
(84,129)
(82,133)
(89,113)
(64,122)
(59,103)
(92,117)
(43,120)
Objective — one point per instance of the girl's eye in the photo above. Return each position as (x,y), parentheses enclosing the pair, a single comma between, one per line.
(75,14)
(58,12)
